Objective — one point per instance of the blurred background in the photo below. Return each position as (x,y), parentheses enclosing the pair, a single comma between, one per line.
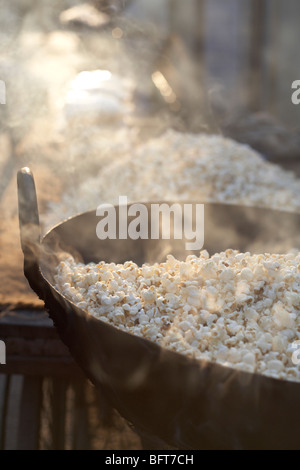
(86,84)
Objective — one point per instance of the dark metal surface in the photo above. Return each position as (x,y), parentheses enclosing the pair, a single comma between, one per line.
(187,403)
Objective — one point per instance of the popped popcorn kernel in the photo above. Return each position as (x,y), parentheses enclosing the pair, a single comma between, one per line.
(236,309)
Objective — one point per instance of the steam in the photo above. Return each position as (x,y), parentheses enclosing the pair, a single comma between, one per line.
(43,48)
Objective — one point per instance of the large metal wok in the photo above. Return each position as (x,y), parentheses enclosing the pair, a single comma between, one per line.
(186,403)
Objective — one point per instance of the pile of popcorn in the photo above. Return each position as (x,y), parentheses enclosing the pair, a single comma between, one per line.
(237,309)
(178,166)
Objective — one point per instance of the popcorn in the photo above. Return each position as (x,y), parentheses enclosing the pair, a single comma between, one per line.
(236,309)
(178,166)
(249,358)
